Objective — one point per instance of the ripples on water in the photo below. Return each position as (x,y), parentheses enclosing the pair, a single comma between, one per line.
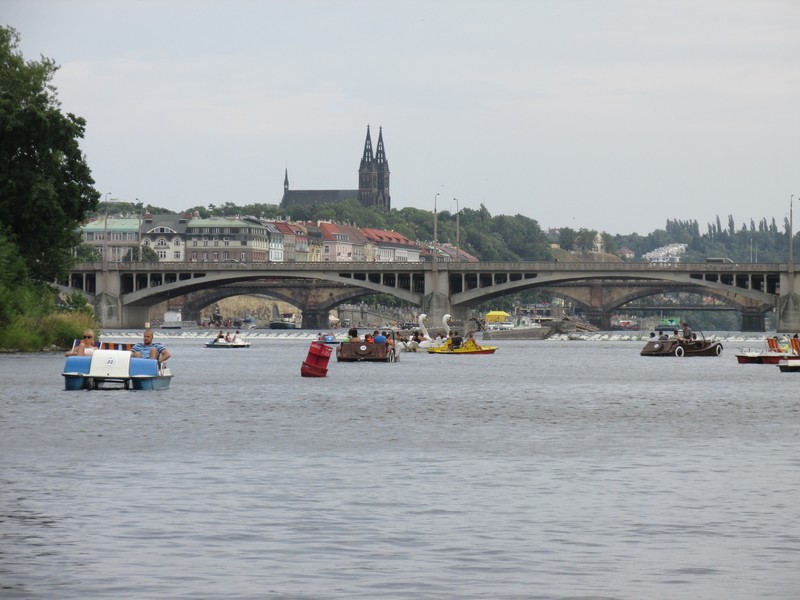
(549,470)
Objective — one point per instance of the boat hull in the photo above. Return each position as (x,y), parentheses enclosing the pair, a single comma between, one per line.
(680,348)
(759,358)
(107,369)
(228,345)
(459,351)
(365,351)
(789,365)
(283,325)
(519,333)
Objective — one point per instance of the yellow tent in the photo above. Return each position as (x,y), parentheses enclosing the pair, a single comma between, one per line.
(496,316)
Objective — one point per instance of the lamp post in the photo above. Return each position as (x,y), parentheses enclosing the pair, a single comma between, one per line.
(105,235)
(458,231)
(791,233)
(434,217)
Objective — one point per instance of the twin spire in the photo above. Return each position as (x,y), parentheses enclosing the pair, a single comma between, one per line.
(373,175)
(380,156)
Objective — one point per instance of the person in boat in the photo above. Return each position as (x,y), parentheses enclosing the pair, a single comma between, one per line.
(663,337)
(236,339)
(220,337)
(674,337)
(471,343)
(368,338)
(85,347)
(457,341)
(378,337)
(687,332)
(147,348)
(352,335)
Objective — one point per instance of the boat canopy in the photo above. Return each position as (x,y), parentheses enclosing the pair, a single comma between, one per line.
(497,316)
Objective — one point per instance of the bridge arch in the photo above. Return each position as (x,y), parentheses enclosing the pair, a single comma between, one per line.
(315,302)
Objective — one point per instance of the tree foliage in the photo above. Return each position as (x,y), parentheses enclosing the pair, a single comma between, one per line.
(141,254)
(44,177)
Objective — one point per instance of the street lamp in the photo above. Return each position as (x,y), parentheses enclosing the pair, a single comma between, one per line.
(791,233)
(139,233)
(434,217)
(458,231)
(105,236)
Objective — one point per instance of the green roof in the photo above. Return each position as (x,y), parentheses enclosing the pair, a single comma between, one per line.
(113,225)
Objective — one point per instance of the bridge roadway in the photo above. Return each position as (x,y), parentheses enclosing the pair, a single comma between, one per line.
(123,293)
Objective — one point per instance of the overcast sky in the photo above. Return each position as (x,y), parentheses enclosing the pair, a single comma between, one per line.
(610,115)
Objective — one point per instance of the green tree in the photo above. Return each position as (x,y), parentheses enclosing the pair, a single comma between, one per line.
(147,255)
(87,253)
(44,177)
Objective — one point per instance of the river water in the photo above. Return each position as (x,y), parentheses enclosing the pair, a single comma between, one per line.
(552,469)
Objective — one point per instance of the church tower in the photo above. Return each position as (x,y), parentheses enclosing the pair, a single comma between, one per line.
(373,175)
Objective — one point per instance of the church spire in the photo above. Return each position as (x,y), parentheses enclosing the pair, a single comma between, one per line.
(380,155)
(383,198)
(366,158)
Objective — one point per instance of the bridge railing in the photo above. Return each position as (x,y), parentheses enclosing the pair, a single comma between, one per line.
(450,266)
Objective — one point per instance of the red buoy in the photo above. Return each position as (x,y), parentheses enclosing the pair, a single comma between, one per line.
(316,363)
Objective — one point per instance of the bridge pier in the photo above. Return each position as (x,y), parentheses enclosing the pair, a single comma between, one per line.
(315,319)
(789,304)
(789,313)
(753,321)
(599,318)
(436,306)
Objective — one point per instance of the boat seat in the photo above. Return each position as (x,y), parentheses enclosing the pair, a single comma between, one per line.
(116,346)
(795,342)
(76,343)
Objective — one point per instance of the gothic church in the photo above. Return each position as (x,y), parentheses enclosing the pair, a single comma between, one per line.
(373,183)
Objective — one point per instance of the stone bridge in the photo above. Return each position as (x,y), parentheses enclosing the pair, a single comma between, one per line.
(123,293)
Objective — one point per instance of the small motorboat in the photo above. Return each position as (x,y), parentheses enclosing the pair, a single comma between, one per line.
(221,343)
(114,368)
(368,351)
(328,338)
(681,347)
